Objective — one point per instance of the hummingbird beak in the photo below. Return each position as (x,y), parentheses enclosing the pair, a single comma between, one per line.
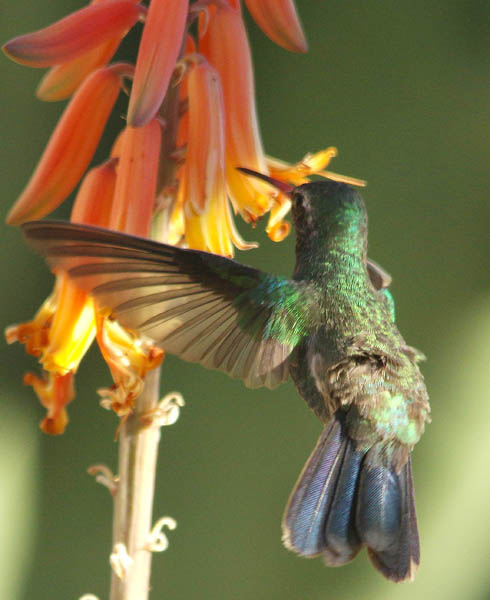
(282,186)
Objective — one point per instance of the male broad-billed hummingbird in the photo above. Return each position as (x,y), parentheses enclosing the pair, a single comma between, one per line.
(331,327)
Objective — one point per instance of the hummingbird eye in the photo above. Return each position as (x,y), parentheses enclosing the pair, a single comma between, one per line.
(298,199)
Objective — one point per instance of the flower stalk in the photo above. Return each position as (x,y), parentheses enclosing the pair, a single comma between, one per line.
(133,500)
(139,434)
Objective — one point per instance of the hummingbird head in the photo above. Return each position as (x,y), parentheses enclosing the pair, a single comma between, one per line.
(328,208)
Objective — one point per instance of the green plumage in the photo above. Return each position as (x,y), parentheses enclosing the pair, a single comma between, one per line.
(356,355)
(331,327)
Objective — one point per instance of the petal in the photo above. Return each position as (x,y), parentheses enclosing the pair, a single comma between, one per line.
(158,52)
(214,231)
(226,47)
(72,330)
(70,148)
(277,229)
(129,358)
(208,231)
(202,192)
(61,81)
(205,157)
(279,21)
(299,173)
(54,393)
(77,33)
(93,204)
(35,334)
(137,174)
(311,164)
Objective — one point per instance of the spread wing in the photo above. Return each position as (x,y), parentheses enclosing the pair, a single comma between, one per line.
(202,307)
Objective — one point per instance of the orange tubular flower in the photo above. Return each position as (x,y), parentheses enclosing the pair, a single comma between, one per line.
(205,165)
(159,48)
(74,35)
(202,192)
(70,148)
(225,45)
(136,178)
(72,330)
(279,21)
(64,327)
(62,80)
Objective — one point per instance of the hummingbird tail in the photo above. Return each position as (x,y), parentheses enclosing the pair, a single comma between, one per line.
(345,499)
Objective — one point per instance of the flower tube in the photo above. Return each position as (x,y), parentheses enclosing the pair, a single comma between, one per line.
(224,43)
(70,148)
(74,35)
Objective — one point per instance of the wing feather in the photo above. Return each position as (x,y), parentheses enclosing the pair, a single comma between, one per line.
(199,306)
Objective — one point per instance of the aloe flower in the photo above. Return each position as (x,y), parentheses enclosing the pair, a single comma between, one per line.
(172,176)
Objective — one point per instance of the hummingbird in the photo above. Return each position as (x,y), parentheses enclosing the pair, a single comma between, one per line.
(330,326)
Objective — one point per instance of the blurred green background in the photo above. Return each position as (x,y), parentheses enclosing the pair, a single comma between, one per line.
(402,90)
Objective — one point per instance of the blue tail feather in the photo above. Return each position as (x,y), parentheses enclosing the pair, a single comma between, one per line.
(345,499)
(341,539)
(305,514)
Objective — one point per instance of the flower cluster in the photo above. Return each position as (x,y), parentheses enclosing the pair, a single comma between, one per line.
(191,120)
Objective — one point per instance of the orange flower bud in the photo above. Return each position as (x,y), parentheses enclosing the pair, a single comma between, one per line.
(61,81)
(159,49)
(279,21)
(93,204)
(137,173)
(74,35)
(70,148)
